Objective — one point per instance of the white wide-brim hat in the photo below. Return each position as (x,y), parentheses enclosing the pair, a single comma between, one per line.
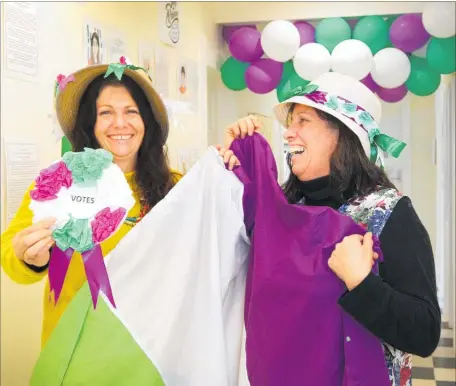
(352,103)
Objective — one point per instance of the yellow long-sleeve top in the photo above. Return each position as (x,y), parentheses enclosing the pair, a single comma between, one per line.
(18,271)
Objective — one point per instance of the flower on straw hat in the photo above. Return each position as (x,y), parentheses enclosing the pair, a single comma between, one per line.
(69,91)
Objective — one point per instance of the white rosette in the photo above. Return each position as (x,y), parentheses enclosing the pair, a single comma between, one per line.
(84,202)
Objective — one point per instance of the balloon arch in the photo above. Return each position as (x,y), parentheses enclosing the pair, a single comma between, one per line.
(392,56)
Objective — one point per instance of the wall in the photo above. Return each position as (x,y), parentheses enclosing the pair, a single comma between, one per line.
(247,11)
(25,107)
(424,175)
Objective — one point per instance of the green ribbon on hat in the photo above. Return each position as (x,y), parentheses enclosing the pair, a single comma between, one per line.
(118,69)
(388,144)
(300,90)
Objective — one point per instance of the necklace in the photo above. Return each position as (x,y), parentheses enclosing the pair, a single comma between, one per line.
(132,221)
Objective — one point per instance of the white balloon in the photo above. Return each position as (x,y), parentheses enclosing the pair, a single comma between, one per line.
(352,57)
(312,60)
(439,19)
(421,52)
(391,68)
(280,40)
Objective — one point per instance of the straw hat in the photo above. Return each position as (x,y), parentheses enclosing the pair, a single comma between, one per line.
(70,89)
(352,103)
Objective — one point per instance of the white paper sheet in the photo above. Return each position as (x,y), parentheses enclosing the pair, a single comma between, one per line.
(20,39)
(146,55)
(116,48)
(22,167)
(162,67)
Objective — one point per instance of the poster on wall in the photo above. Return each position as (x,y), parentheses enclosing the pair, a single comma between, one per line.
(116,48)
(21,40)
(162,66)
(187,83)
(146,55)
(168,22)
(22,167)
(94,45)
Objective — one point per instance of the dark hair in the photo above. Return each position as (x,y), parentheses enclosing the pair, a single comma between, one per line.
(351,172)
(153,176)
(183,70)
(94,37)
(97,38)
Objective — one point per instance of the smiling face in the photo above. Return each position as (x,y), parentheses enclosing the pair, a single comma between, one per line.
(119,127)
(312,141)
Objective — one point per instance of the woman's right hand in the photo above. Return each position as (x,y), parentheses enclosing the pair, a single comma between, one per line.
(32,245)
(241,128)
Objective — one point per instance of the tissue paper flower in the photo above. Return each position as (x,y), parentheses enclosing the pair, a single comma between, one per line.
(50,181)
(75,234)
(317,97)
(105,223)
(87,166)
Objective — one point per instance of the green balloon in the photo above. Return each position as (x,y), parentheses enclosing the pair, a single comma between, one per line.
(288,70)
(332,31)
(233,74)
(374,31)
(389,22)
(423,80)
(292,81)
(441,55)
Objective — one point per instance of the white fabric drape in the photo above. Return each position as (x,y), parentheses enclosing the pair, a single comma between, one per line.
(179,279)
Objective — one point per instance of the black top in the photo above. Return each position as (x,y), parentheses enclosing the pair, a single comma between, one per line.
(400,306)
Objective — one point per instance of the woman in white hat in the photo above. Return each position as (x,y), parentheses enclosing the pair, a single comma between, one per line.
(336,159)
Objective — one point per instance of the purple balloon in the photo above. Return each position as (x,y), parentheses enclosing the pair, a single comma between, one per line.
(263,75)
(408,33)
(306,32)
(229,30)
(392,95)
(352,23)
(245,44)
(370,83)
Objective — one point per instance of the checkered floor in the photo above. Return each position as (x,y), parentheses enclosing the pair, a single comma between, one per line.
(440,368)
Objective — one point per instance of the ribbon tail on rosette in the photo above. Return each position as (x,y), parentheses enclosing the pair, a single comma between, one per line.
(58,267)
(97,275)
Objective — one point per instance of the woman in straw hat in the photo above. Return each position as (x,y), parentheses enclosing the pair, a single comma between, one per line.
(116,108)
(336,160)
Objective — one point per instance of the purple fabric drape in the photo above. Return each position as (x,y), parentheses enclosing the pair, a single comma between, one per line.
(297,334)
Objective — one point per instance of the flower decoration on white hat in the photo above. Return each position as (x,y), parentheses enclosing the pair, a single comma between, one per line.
(342,107)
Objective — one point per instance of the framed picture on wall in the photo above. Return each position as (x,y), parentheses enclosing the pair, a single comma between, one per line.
(94,45)
(188,84)
(146,55)
(168,22)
